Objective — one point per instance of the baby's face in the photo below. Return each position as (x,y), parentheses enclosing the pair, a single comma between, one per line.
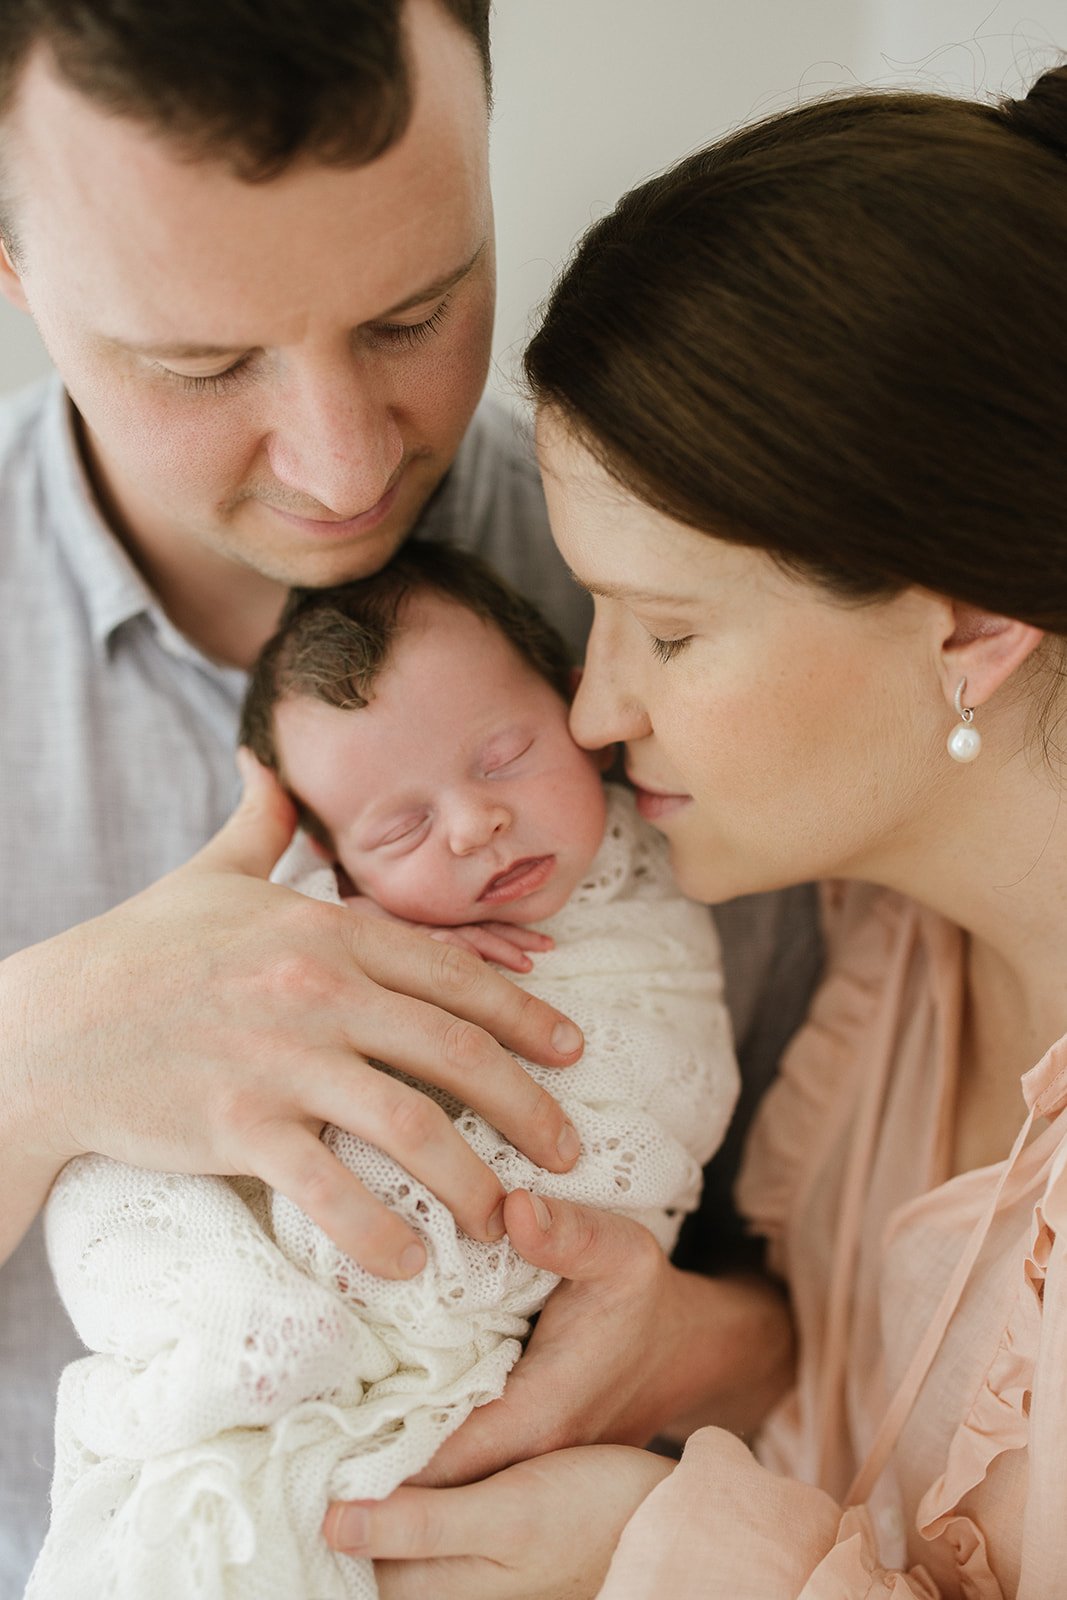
(457,795)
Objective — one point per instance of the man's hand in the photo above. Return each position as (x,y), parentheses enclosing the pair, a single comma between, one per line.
(625,1345)
(216,1022)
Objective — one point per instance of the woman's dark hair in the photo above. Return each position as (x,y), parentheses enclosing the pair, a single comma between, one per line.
(841,336)
(259,83)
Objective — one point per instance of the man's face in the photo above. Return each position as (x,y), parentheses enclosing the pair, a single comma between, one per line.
(277,374)
(457,795)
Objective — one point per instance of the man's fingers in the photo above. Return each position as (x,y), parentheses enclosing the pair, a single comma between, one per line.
(413,1129)
(257,833)
(459,983)
(296,1163)
(435,1046)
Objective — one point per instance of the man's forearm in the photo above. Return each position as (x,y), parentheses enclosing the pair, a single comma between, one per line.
(27,1164)
(736,1350)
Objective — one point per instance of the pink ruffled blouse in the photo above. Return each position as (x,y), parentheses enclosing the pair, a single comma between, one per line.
(922,1454)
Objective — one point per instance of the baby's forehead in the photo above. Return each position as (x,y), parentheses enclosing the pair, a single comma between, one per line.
(435,626)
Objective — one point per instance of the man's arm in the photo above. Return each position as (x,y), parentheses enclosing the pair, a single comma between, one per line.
(216,1023)
(626,1346)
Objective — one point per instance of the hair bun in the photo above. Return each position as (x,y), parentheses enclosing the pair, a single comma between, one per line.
(1042,114)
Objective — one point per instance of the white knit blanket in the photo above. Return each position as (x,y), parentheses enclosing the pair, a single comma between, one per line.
(247,1372)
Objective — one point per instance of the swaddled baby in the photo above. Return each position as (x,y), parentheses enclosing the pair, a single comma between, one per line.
(246,1371)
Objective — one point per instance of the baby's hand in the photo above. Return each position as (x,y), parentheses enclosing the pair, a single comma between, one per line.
(505,943)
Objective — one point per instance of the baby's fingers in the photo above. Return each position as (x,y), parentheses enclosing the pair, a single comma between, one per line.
(522,938)
(490,946)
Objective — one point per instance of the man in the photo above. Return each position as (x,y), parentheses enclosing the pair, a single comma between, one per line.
(261,258)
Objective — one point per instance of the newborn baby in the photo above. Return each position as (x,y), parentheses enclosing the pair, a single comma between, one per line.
(246,1371)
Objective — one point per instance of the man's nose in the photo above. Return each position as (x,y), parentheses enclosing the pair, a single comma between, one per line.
(337,445)
(475,822)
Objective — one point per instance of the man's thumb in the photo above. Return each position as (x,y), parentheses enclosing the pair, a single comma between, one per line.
(576,1241)
(257,833)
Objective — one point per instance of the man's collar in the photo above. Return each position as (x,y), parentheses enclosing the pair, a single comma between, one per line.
(114,591)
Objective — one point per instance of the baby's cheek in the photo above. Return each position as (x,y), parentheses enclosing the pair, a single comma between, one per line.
(415,890)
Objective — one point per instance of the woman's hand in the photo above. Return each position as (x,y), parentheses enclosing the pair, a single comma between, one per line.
(541,1530)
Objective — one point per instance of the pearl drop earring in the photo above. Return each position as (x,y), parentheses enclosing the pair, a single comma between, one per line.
(964,743)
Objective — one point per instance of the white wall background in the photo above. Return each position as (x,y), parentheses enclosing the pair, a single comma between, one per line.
(593,95)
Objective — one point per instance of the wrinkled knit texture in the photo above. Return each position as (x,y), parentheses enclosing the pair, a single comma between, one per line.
(247,1372)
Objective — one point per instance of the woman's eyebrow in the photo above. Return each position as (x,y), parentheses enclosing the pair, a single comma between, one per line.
(620,591)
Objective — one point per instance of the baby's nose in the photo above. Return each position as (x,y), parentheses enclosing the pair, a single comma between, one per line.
(475,825)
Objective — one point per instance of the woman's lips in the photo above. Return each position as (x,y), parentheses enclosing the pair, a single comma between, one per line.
(520,879)
(654,804)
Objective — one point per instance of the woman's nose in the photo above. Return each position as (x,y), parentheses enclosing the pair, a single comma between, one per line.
(476,823)
(603,710)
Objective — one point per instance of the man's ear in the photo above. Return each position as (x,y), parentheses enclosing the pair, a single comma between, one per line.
(10,280)
(983,648)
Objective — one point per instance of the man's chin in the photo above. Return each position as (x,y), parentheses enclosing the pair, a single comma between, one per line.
(323,568)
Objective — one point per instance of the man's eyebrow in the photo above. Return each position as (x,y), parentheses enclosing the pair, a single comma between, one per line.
(175,352)
(436,290)
(187,351)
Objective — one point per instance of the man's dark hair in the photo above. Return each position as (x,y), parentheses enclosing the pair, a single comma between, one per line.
(331,644)
(257,85)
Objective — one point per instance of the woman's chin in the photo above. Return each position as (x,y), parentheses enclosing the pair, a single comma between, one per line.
(702,874)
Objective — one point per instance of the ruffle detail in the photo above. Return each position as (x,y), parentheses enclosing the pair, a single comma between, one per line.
(851,1570)
(997,1422)
(815,1093)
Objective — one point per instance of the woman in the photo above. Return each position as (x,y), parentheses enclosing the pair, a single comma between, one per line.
(802,411)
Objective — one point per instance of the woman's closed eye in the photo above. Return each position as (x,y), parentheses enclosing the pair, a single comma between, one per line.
(667,649)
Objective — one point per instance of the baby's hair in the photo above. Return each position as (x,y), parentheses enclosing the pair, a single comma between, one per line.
(331,644)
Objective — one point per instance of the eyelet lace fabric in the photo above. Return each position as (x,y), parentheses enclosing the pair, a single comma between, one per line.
(246,1372)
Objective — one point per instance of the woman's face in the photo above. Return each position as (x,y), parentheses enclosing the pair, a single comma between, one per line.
(774,733)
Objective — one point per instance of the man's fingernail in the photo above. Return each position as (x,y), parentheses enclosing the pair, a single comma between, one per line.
(566,1039)
(350,1528)
(568,1144)
(496,1223)
(541,1212)
(412,1260)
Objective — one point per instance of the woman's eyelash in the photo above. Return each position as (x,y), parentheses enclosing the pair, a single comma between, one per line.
(414,333)
(667,649)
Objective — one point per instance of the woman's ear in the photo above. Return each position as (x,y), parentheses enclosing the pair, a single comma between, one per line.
(985,649)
